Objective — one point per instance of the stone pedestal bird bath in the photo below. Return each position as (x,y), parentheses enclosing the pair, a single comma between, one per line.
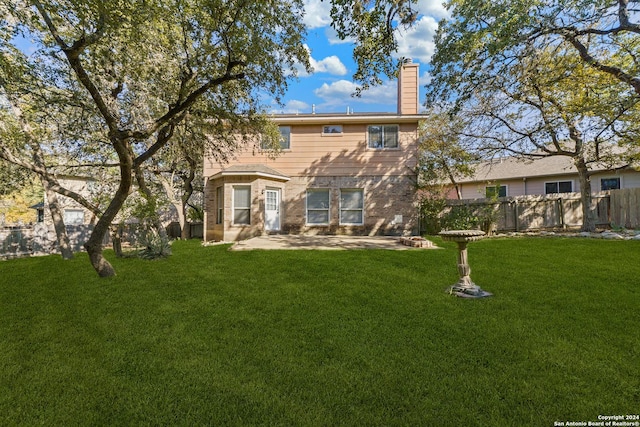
(465,287)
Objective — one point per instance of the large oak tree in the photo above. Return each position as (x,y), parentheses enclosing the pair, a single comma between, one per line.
(132,71)
(514,72)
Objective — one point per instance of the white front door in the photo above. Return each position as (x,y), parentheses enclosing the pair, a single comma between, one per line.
(272,210)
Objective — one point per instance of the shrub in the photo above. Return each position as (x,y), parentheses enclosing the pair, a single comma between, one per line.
(156,246)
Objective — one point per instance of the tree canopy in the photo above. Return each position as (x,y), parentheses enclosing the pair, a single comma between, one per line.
(516,73)
(119,77)
(491,35)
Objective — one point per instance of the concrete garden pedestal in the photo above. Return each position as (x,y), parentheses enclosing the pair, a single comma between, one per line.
(465,287)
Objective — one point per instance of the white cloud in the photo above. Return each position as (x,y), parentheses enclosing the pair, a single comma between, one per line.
(330,64)
(294,107)
(332,37)
(317,13)
(434,8)
(341,91)
(425,78)
(417,41)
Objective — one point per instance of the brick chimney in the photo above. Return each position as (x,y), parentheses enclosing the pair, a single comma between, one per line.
(408,93)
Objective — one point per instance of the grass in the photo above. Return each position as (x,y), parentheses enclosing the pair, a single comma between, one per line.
(212,337)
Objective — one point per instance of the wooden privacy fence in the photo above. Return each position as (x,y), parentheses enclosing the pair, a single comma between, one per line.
(625,208)
(556,211)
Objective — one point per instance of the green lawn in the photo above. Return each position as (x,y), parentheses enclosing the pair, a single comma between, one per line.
(213,337)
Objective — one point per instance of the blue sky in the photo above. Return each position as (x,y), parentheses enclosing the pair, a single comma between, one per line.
(330,87)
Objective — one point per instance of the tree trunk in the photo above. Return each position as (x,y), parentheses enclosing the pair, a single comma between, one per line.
(116,239)
(58,221)
(148,195)
(588,211)
(94,244)
(185,227)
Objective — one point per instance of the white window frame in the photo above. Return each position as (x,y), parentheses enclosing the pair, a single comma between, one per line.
(558,184)
(327,209)
(361,209)
(285,143)
(264,146)
(219,205)
(382,146)
(235,208)
(335,130)
(611,177)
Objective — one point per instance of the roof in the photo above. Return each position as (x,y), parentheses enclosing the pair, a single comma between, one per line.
(332,118)
(252,170)
(513,168)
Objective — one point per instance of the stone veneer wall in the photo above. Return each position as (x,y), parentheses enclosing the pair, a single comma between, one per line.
(389,206)
(385,199)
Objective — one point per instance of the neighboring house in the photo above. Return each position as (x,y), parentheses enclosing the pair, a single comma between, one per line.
(547,175)
(74,213)
(337,174)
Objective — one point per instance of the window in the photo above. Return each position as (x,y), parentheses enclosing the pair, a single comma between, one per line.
(558,187)
(383,136)
(318,206)
(242,205)
(285,139)
(500,190)
(73,216)
(332,129)
(609,184)
(352,206)
(219,205)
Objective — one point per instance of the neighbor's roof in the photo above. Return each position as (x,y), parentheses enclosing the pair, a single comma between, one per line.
(251,170)
(513,168)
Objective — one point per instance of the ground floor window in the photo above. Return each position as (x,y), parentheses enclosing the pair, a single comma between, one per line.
(219,205)
(495,191)
(318,206)
(558,187)
(352,206)
(609,184)
(242,205)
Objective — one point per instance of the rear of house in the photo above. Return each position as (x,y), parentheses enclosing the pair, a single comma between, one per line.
(337,174)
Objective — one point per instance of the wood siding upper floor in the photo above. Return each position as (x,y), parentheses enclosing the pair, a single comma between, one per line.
(313,153)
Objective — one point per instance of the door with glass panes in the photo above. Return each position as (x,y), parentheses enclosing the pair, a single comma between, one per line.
(272,210)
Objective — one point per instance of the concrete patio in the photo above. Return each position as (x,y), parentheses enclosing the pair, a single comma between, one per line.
(323,243)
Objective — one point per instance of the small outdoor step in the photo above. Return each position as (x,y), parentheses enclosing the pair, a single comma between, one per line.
(416,242)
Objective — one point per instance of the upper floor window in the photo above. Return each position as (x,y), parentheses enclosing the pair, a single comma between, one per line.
(285,139)
(609,184)
(558,187)
(382,136)
(332,130)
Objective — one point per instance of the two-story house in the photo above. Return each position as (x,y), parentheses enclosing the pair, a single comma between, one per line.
(337,174)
